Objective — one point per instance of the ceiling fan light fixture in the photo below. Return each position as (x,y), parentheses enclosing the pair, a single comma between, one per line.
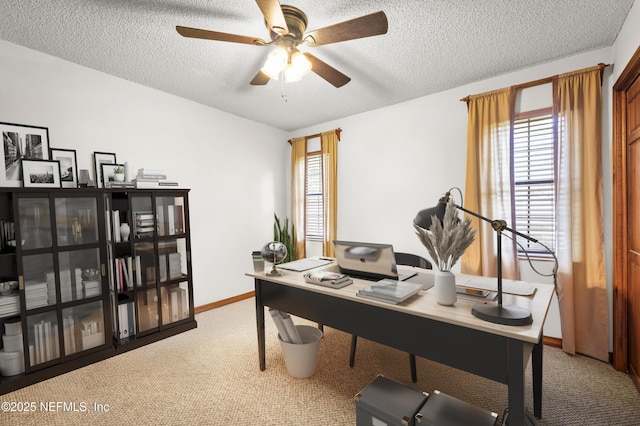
(276,63)
(298,67)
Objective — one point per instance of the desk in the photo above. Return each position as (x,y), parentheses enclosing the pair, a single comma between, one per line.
(446,334)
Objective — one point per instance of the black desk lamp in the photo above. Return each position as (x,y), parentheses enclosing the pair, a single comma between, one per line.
(500,313)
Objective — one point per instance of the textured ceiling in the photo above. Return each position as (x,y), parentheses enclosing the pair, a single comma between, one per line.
(430,46)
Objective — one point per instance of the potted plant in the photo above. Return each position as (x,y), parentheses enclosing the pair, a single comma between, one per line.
(281,233)
(446,241)
(118,174)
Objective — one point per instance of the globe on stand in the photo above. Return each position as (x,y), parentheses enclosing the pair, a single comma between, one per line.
(274,252)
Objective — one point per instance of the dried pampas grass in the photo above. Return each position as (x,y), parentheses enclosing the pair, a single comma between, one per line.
(448,240)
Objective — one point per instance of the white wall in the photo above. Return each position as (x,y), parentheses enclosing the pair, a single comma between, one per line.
(234,167)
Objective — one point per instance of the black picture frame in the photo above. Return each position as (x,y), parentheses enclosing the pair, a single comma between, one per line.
(100,158)
(68,166)
(41,173)
(20,142)
(107,172)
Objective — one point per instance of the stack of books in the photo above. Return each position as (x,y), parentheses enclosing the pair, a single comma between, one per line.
(328,279)
(143,222)
(390,291)
(152,178)
(37,294)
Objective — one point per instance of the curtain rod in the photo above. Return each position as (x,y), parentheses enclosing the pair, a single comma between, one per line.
(541,81)
(317,135)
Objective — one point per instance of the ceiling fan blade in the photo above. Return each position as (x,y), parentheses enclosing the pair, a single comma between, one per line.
(260,79)
(214,35)
(273,15)
(327,72)
(364,26)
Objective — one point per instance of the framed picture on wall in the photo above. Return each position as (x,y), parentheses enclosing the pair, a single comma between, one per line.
(100,158)
(41,173)
(68,166)
(20,142)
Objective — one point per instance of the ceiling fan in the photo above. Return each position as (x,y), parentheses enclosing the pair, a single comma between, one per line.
(287,26)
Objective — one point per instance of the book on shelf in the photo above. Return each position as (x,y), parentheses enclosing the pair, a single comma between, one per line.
(144,225)
(392,291)
(116,226)
(328,278)
(126,318)
(114,184)
(147,172)
(147,185)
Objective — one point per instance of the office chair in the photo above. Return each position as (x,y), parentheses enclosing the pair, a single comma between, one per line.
(407,259)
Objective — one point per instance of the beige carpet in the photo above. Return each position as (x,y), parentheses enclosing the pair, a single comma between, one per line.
(210,376)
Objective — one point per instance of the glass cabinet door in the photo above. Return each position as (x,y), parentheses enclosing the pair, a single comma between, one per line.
(175,302)
(79,274)
(170,213)
(35,223)
(172,259)
(76,220)
(83,327)
(44,340)
(39,280)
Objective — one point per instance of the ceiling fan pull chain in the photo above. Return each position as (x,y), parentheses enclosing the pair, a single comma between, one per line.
(283,92)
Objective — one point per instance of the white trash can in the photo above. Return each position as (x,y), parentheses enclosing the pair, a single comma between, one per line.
(301,359)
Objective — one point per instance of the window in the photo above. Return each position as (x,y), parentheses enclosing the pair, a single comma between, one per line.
(314,225)
(534,171)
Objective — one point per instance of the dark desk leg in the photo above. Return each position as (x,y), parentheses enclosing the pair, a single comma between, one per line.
(260,325)
(536,367)
(516,383)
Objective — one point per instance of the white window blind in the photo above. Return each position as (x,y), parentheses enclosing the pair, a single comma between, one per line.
(313,193)
(534,180)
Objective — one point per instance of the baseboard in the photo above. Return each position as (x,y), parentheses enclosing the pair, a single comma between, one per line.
(552,341)
(220,303)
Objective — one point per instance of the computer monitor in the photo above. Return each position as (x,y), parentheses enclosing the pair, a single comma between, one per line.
(366,260)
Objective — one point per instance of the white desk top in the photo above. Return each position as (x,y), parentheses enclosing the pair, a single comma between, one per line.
(425,305)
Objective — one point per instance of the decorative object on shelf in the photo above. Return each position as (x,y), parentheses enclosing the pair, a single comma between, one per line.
(84,179)
(118,174)
(108,173)
(20,142)
(100,158)
(274,252)
(128,172)
(125,231)
(76,230)
(8,287)
(281,234)
(68,166)
(445,241)
(41,173)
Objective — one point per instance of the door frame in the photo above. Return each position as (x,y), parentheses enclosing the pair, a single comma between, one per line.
(620,220)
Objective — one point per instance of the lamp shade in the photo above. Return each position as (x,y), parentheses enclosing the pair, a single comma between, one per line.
(423,218)
(298,68)
(276,63)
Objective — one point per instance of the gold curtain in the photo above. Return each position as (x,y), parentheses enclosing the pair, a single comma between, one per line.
(488,185)
(298,178)
(329,147)
(581,283)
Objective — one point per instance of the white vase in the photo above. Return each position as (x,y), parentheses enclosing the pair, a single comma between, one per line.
(118,177)
(445,287)
(125,231)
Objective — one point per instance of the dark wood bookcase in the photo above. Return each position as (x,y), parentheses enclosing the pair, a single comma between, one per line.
(87,289)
